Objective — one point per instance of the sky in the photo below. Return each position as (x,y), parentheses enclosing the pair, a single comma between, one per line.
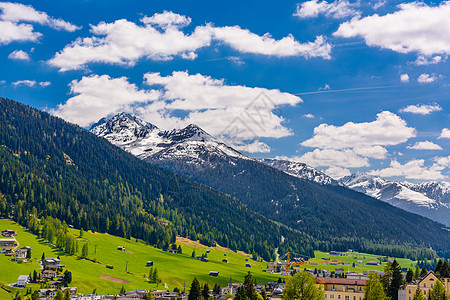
(344,86)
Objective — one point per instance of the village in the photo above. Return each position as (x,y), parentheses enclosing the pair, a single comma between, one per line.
(55,278)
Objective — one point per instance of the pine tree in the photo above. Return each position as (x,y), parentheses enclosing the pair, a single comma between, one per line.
(195,290)
(84,250)
(396,280)
(409,276)
(417,272)
(43,256)
(438,267)
(193,253)
(438,292)
(205,292)
(216,289)
(122,290)
(418,295)
(423,272)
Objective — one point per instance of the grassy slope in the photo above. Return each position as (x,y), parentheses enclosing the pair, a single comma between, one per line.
(174,269)
(353,257)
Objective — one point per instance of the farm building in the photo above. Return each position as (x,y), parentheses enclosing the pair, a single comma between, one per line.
(149,264)
(214,273)
(224,260)
(8,233)
(8,243)
(248,265)
(121,248)
(23,280)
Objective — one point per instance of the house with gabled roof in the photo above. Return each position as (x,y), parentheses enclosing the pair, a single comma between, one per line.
(426,283)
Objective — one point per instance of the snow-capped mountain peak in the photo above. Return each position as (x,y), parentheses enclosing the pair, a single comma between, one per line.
(430,199)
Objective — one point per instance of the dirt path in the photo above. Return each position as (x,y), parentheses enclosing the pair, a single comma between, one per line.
(113,279)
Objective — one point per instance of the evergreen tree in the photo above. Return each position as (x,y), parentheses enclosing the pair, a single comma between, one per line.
(417,272)
(249,287)
(418,295)
(445,270)
(28,253)
(179,250)
(438,267)
(43,256)
(438,291)
(409,276)
(374,288)
(85,250)
(66,295)
(240,294)
(216,289)
(195,290)
(35,295)
(122,290)
(396,280)
(205,292)
(193,253)
(264,294)
(303,286)
(423,272)
(155,275)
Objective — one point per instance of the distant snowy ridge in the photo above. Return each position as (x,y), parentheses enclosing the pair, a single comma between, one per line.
(429,199)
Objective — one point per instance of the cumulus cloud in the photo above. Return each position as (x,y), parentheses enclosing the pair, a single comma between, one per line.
(161,37)
(19,55)
(10,32)
(422,109)
(337,9)
(331,157)
(445,134)
(98,96)
(309,116)
(239,115)
(337,172)
(414,169)
(426,145)
(404,78)
(427,78)
(16,12)
(424,60)
(387,129)
(45,83)
(415,27)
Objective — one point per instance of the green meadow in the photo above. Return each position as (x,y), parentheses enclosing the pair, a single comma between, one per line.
(129,267)
(353,258)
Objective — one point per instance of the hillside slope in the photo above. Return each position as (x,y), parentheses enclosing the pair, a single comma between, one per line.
(53,168)
(335,216)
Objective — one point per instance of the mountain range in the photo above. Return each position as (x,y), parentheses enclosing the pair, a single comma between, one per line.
(293,194)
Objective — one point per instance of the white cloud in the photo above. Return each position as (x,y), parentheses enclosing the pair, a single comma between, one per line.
(404,78)
(243,40)
(238,114)
(427,78)
(330,157)
(325,87)
(10,32)
(377,152)
(337,9)
(421,109)
(445,134)
(415,27)
(99,96)
(16,12)
(29,83)
(167,19)
(426,145)
(424,60)
(337,172)
(309,116)
(379,4)
(387,129)
(230,110)
(414,169)
(441,163)
(19,55)
(253,147)
(161,38)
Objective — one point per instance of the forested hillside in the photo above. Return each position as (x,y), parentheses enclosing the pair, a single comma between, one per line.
(336,217)
(53,168)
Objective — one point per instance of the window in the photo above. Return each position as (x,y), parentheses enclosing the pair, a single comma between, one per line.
(424,292)
(331,296)
(431,285)
(333,288)
(409,291)
(425,284)
(409,298)
(339,296)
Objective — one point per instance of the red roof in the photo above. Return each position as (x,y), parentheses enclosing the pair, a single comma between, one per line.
(344,281)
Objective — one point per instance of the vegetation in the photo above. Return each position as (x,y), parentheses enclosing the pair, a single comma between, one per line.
(303,286)
(51,168)
(374,288)
(94,273)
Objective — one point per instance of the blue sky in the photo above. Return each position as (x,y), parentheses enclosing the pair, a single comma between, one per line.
(344,86)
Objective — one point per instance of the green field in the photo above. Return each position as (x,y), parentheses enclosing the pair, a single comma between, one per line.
(354,257)
(174,269)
